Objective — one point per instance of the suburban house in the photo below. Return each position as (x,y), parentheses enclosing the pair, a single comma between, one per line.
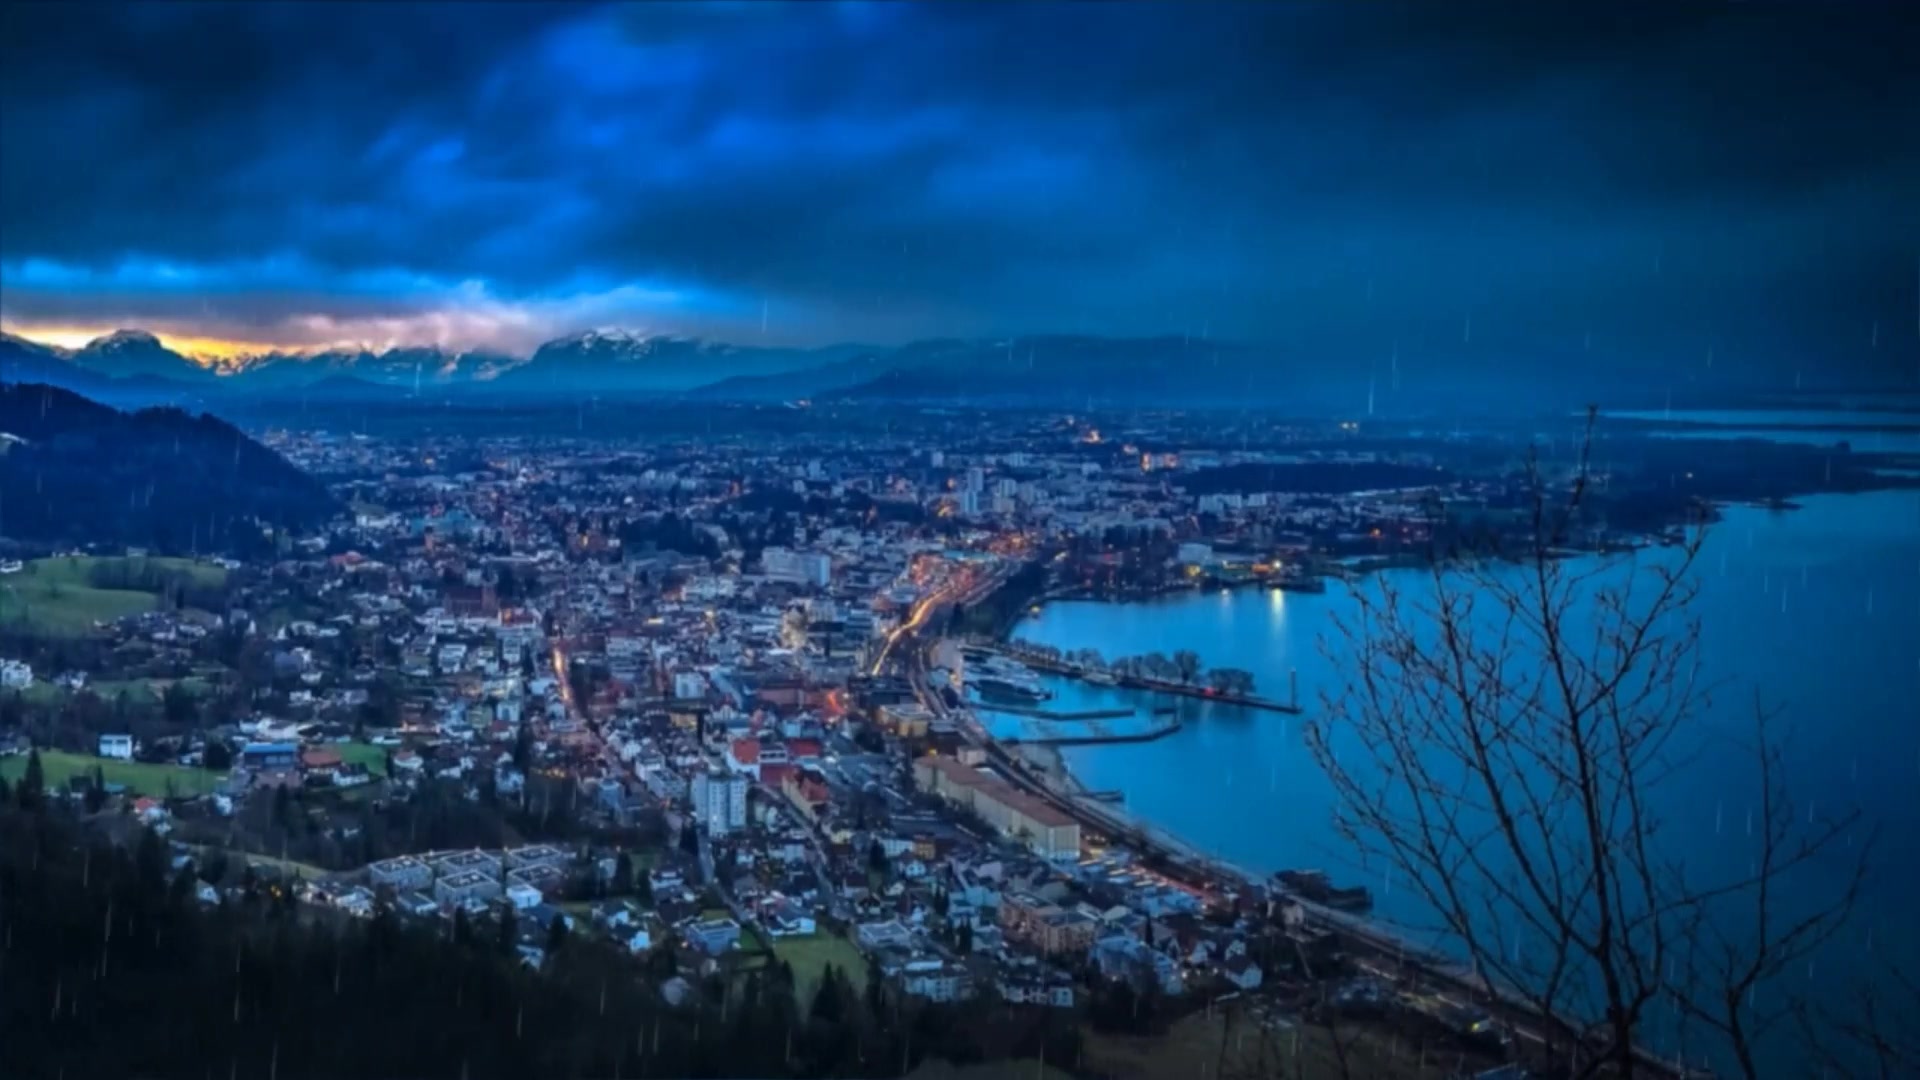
(713,936)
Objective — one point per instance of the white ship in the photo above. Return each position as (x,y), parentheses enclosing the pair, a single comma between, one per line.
(999,677)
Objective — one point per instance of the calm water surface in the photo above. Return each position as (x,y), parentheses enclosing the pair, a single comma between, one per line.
(1815,610)
(1866,432)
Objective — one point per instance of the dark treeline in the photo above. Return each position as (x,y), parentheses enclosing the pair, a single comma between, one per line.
(158,478)
(175,588)
(113,968)
(316,826)
(668,532)
(996,612)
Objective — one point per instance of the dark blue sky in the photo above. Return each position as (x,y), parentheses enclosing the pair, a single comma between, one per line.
(1671,178)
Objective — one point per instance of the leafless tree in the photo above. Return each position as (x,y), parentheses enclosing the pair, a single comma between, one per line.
(1500,743)
(1872,1031)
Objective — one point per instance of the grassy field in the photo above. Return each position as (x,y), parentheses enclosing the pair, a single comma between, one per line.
(138,691)
(289,866)
(139,778)
(56,596)
(239,857)
(359,753)
(810,956)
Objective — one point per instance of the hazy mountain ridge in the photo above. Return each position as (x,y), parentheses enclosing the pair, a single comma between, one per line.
(1322,375)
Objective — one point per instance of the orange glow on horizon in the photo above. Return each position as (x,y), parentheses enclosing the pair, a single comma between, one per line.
(204,350)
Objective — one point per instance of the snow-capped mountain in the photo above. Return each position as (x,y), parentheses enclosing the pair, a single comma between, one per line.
(406,367)
(132,354)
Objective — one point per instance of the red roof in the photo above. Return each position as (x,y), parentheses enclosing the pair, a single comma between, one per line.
(746,751)
(775,775)
(799,748)
(320,758)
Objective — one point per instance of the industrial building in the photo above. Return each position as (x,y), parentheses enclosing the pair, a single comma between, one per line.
(459,862)
(466,885)
(402,873)
(1046,830)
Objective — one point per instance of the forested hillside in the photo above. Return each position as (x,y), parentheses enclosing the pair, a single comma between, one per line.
(75,471)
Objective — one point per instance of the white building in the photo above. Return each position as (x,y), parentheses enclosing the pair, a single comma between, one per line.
(720,801)
(689,685)
(1194,554)
(118,747)
(797,567)
(935,981)
(16,674)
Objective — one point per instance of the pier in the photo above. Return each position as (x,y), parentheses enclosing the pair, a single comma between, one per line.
(1054,732)
(1040,662)
(1047,714)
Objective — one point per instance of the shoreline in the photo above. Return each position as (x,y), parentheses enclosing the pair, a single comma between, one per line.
(1049,765)
(1354,568)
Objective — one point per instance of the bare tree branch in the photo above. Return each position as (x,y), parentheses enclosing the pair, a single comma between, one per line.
(1501,743)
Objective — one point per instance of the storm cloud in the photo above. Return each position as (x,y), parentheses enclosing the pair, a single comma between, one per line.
(1671,178)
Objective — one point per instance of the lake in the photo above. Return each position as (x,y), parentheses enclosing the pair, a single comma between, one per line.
(1816,610)
(1867,432)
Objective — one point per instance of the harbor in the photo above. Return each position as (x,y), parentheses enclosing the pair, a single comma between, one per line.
(1039,660)
(1009,699)
(1128,727)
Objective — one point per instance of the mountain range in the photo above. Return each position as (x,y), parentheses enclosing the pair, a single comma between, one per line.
(598,361)
(133,367)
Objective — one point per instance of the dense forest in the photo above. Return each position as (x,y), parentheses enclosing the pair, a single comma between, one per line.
(76,471)
(109,966)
